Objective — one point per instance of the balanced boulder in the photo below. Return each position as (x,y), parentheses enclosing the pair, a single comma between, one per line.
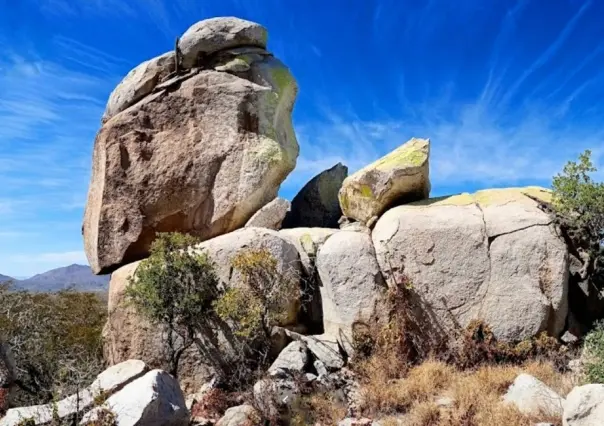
(199,155)
(401,176)
(317,205)
(492,256)
(216,34)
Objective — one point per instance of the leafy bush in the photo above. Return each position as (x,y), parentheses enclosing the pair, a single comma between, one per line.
(262,299)
(579,201)
(55,340)
(594,354)
(580,198)
(175,287)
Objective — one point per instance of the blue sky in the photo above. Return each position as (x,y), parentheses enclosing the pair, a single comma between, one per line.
(507,90)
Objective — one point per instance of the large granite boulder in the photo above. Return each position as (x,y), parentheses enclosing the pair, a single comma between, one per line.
(352,286)
(215,34)
(200,154)
(401,176)
(492,256)
(317,204)
(128,335)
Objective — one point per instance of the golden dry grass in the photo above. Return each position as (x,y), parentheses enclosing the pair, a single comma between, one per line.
(319,408)
(411,400)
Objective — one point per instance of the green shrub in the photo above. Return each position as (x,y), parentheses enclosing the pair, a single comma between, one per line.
(175,287)
(594,354)
(265,297)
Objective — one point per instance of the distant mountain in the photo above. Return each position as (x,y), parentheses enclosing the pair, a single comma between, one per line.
(78,277)
(4,278)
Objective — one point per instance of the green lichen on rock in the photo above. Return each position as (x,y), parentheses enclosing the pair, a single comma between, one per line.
(282,78)
(269,151)
(308,244)
(366,191)
(489,197)
(412,154)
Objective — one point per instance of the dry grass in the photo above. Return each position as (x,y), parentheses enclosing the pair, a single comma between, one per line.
(321,409)
(476,394)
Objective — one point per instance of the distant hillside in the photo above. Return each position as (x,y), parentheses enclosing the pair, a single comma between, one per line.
(78,277)
(4,278)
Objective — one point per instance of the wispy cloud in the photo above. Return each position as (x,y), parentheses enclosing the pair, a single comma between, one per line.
(476,146)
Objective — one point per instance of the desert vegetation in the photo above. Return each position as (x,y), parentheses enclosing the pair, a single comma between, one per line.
(55,339)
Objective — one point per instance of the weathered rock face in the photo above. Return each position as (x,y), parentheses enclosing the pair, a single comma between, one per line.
(352,285)
(493,256)
(127,335)
(317,204)
(154,399)
(201,154)
(215,34)
(584,406)
(401,176)
(270,216)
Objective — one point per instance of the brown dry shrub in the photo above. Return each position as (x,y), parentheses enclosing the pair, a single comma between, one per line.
(321,408)
(213,404)
(476,395)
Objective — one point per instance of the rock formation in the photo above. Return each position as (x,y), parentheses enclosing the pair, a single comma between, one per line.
(200,152)
(317,204)
(401,176)
(493,255)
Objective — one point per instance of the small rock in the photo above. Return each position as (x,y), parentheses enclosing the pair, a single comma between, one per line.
(320,368)
(272,396)
(293,359)
(240,416)
(533,397)
(356,422)
(271,215)
(584,406)
(444,401)
(569,338)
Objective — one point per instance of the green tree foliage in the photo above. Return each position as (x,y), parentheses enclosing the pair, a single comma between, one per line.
(55,340)
(175,287)
(579,198)
(594,354)
(263,298)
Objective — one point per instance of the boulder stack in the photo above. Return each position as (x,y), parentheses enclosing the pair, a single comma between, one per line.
(194,141)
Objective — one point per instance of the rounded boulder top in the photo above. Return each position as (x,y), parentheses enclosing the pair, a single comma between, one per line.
(215,34)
